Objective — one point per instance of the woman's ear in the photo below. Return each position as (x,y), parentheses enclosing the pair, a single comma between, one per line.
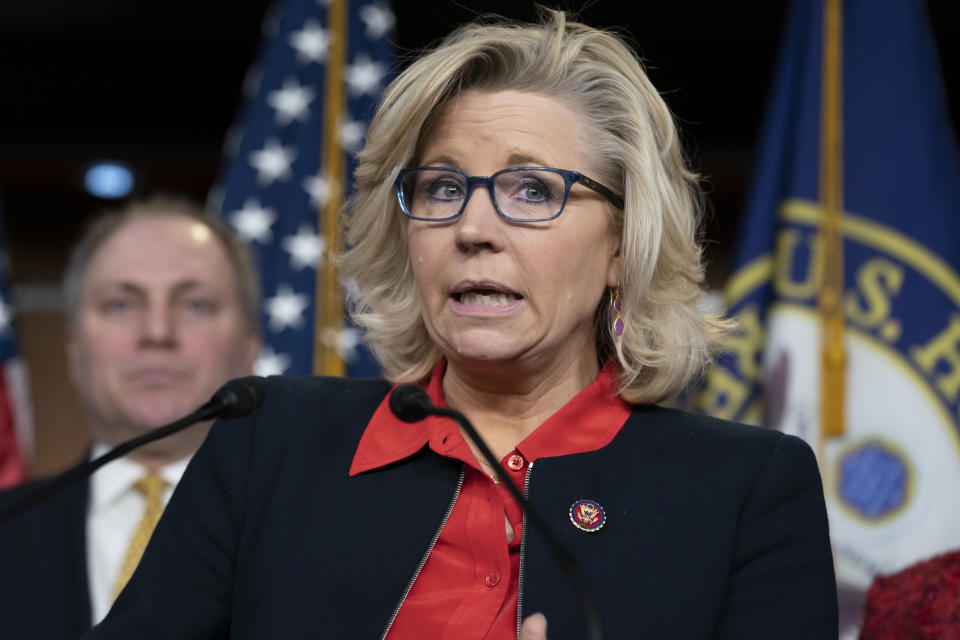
(613,267)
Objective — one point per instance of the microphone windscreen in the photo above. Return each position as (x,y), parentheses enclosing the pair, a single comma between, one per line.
(410,403)
(241,396)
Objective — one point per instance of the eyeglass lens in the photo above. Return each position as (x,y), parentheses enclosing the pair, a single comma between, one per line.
(530,194)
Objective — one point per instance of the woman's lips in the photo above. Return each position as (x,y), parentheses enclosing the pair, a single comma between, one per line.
(487,287)
(484,299)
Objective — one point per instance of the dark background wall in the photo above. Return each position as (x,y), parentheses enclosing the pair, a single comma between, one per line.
(156,83)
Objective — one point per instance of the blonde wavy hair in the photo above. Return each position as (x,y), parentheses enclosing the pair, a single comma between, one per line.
(667,339)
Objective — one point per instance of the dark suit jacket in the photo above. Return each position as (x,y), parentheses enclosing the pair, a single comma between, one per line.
(713,530)
(44,591)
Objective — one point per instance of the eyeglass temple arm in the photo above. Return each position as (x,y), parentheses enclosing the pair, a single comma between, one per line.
(590,183)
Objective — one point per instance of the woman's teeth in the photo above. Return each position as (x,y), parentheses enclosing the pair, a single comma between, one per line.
(487,299)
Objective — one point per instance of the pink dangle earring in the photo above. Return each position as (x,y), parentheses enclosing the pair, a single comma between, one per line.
(615,303)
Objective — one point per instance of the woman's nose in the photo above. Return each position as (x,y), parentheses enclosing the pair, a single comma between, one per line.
(480,226)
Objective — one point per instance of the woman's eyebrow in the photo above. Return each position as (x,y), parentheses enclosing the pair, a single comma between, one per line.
(442,160)
(525,159)
(514,160)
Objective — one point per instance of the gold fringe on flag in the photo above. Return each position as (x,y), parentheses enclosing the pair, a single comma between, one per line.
(328,319)
(830,298)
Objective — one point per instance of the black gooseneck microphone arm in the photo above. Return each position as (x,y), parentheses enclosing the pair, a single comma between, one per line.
(234,399)
(411,403)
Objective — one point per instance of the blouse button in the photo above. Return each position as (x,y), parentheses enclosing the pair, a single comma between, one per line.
(493,579)
(515,462)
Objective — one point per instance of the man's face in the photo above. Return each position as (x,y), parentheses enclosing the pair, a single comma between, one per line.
(159,327)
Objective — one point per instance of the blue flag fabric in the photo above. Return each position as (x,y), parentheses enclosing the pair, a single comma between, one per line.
(274,185)
(890,479)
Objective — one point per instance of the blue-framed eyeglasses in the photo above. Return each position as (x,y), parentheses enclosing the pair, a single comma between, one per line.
(519,194)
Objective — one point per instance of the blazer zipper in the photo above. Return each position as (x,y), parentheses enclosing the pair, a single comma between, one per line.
(523,550)
(426,555)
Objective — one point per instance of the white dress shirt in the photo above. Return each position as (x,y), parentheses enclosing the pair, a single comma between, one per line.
(114,511)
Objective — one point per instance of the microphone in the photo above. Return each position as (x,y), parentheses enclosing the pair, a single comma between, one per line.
(410,403)
(240,396)
(234,399)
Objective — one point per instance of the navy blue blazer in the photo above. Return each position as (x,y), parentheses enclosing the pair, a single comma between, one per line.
(714,530)
(44,592)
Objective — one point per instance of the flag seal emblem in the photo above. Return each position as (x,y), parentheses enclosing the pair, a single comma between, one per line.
(873,479)
(588,515)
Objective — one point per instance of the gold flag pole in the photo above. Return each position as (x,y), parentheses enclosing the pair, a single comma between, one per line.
(328,318)
(830,298)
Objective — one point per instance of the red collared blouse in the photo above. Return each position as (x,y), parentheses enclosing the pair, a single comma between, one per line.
(468,586)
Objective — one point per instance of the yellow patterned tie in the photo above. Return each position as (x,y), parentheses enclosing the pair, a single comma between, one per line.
(151,486)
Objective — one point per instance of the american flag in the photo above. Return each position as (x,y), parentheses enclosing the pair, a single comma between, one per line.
(308,101)
(14,409)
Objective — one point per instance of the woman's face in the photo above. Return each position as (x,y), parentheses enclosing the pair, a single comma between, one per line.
(498,292)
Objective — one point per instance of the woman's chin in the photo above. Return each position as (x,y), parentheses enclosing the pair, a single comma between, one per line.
(483,342)
(484,356)
(515,349)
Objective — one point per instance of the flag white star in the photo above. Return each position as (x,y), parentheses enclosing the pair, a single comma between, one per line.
(304,248)
(351,134)
(312,42)
(253,222)
(344,341)
(363,77)
(271,363)
(4,316)
(286,308)
(378,18)
(319,189)
(273,162)
(292,102)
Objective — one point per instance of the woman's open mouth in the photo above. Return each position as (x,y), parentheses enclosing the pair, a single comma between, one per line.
(486,298)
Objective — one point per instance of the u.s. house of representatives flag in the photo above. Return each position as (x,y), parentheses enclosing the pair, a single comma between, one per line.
(309,98)
(846,284)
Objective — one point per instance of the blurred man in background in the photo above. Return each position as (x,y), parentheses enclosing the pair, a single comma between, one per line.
(162,303)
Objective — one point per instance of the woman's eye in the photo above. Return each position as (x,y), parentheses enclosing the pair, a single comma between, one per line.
(445,190)
(535,192)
